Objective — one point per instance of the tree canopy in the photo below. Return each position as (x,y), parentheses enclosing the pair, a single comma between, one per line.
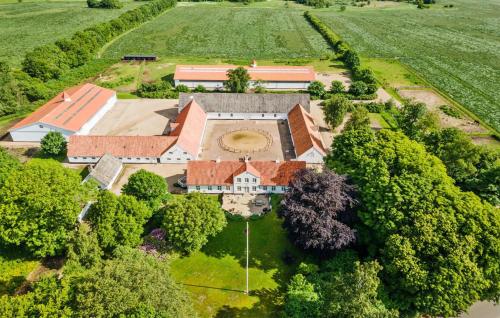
(118,220)
(39,205)
(318,210)
(438,246)
(238,80)
(147,186)
(335,110)
(189,221)
(53,144)
(316,89)
(359,119)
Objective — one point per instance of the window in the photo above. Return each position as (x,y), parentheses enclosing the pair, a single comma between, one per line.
(188,158)
(228,188)
(273,188)
(262,115)
(84,157)
(75,158)
(169,158)
(275,115)
(138,158)
(198,188)
(129,158)
(254,180)
(264,188)
(93,158)
(219,188)
(41,126)
(238,179)
(231,115)
(218,115)
(239,188)
(170,152)
(185,153)
(209,187)
(246,180)
(178,158)
(254,188)
(147,158)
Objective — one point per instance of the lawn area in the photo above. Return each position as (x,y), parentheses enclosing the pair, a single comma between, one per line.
(215,276)
(26,25)
(455,50)
(266,30)
(14,268)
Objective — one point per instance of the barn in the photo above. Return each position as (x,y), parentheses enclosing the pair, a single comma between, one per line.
(74,111)
(270,77)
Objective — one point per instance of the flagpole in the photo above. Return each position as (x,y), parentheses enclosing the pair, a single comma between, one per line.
(247,232)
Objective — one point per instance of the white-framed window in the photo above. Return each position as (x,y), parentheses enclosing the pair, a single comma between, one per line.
(246,180)
(219,188)
(275,115)
(218,115)
(178,158)
(254,180)
(228,188)
(169,158)
(170,152)
(84,157)
(209,187)
(129,158)
(273,188)
(239,188)
(254,188)
(41,126)
(185,153)
(238,179)
(231,115)
(264,188)
(75,158)
(138,158)
(198,188)
(262,115)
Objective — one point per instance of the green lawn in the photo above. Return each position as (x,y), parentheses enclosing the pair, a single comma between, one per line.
(25,25)
(210,29)
(14,267)
(456,50)
(215,276)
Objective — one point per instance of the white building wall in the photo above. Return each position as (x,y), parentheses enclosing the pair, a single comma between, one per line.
(97,116)
(36,132)
(214,189)
(311,156)
(266,84)
(176,155)
(247,116)
(246,183)
(206,84)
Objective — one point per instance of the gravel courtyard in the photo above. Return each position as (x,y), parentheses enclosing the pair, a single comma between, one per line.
(281,147)
(133,117)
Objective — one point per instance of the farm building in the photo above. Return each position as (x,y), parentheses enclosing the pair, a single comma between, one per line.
(241,176)
(72,112)
(270,77)
(105,171)
(245,106)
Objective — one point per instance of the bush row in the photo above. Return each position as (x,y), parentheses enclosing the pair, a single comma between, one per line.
(52,60)
(342,50)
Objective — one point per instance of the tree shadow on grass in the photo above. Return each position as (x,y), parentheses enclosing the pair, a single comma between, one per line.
(269,305)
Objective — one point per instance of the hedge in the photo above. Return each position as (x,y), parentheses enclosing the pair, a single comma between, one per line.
(52,60)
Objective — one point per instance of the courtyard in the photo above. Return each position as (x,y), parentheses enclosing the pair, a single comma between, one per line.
(259,139)
(134,117)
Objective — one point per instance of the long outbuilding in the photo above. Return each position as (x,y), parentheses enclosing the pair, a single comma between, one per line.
(74,111)
(270,77)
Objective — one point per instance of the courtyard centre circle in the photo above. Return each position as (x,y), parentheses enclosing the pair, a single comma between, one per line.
(246,140)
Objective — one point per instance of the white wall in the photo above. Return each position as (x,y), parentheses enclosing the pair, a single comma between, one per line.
(215,190)
(97,116)
(267,85)
(311,156)
(206,84)
(247,116)
(176,155)
(36,132)
(244,183)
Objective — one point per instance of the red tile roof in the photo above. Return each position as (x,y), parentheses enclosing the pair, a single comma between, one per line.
(305,135)
(70,109)
(264,73)
(222,173)
(189,127)
(119,146)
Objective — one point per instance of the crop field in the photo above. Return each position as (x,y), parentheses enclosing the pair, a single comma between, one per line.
(225,30)
(457,49)
(25,25)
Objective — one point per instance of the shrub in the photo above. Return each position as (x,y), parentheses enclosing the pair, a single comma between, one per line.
(316,89)
(335,109)
(450,111)
(200,89)
(53,144)
(358,88)
(337,87)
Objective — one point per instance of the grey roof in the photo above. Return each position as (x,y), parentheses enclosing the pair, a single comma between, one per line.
(106,169)
(245,103)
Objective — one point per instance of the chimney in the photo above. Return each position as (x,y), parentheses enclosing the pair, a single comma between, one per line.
(254,63)
(277,161)
(66,97)
(247,158)
(217,160)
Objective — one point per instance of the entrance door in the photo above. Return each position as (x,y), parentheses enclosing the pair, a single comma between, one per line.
(247,189)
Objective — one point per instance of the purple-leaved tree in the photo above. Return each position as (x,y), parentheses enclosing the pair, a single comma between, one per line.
(318,210)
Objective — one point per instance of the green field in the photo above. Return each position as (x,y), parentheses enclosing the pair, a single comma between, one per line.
(260,30)
(456,50)
(215,276)
(25,25)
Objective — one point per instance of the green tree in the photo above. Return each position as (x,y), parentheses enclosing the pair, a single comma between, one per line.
(358,88)
(118,220)
(415,121)
(302,301)
(335,110)
(189,221)
(359,119)
(337,87)
(200,89)
(8,164)
(147,186)
(83,247)
(130,284)
(45,62)
(39,204)
(316,89)
(53,144)
(438,245)
(238,80)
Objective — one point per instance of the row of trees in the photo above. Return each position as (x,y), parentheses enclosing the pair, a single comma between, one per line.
(52,60)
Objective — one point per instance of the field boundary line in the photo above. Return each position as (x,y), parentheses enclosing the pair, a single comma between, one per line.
(107,45)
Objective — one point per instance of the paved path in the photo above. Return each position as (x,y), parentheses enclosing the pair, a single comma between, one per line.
(482,310)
